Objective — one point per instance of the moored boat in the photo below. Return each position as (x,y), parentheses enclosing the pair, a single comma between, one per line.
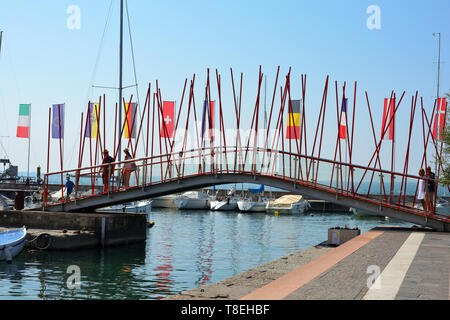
(229,203)
(164,201)
(288,204)
(193,200)
(12,243)
(253,205)
(137,206)
(442,208)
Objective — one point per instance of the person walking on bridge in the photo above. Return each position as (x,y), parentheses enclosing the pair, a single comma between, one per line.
(128,168)
(421,190)
(430,190)
(69,186)
(106,169)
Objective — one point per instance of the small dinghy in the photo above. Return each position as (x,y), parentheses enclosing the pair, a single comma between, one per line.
(11,243)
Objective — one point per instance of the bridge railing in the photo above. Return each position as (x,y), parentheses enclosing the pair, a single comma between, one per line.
(379,186)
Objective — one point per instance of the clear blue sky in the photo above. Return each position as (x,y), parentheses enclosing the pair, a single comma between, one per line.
(43,62)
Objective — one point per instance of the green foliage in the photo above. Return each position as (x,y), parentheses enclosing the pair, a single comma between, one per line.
(445,160)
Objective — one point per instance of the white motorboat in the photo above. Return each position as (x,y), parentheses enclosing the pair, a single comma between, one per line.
(253,205)
(137,206)
(442,208)
(11,243)
(288,204)
(193,200)
(364,214)
(229,203)
(164,201)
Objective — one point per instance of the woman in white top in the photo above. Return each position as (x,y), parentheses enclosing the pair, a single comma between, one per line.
(421,190)
(127,168)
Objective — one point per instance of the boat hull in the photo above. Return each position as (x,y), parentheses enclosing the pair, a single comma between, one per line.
(164,202)
(221,206)
(295,208)
(11,243)
(141,206)
(252,206)
(224,205)
(184,203)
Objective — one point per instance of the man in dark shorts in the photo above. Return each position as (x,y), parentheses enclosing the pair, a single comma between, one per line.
(69,186)
(107,169)
(430,190)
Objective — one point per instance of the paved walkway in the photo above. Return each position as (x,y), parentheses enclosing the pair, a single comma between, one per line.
(384,263)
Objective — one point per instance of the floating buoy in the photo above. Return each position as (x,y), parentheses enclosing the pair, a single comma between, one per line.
(276,213)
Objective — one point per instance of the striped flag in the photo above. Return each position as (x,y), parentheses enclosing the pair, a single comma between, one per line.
(343,124)
(208,117)
(389,108)
(129,116)
(23,125)
(57,121)
(440,117)
(293,122)
(92,130)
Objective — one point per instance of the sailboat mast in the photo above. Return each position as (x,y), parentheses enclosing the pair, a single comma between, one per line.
(120,78)
(1,34)
(437,93)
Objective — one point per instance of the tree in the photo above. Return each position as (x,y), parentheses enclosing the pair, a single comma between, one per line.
(445,159)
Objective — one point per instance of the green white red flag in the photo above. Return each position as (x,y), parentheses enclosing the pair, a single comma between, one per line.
(23,125)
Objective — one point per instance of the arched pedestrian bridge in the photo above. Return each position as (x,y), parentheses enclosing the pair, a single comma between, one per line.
(341,183)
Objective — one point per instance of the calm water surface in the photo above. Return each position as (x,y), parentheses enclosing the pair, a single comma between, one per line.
(184,250)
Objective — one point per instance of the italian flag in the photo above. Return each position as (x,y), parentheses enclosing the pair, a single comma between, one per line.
(23,126)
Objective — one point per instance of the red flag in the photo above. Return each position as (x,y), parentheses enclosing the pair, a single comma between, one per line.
(388,110)
(440,116)
(168,119)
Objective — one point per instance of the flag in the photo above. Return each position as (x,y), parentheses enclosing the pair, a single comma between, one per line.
(208,115)
(57,120)
(92,124)
(168,113)
(129,116)
(389,108)
(343,124)
(293,122)
(23,125)
(440,117)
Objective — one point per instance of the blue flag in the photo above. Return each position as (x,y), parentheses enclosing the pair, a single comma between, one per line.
(58,112)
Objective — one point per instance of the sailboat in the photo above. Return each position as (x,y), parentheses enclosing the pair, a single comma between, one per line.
(255,203)
(229,203)
(193,200)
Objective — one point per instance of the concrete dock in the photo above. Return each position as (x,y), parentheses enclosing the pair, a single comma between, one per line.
(70,231)
(388,263)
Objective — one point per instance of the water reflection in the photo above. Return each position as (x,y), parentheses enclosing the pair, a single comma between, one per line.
(184,250)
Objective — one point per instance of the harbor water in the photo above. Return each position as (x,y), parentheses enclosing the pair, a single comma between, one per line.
(184,250)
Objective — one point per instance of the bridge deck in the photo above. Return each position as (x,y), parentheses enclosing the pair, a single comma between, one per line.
(417,259)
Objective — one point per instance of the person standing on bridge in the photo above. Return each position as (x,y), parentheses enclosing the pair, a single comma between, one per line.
(430,190)
(106,169)
(421,190)
(128,168)
(69,186)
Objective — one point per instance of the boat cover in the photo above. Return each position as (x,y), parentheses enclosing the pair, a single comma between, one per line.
(286,200)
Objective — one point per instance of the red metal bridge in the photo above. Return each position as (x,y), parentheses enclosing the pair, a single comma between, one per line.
(169,164)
